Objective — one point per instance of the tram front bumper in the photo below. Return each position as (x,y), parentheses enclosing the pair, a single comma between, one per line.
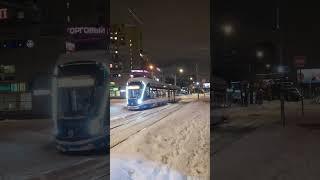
(82,145)
(133,107)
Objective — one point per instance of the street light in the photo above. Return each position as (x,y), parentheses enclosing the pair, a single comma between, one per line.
(268,66)
(191,78)
(227,29)
(151,67)
(175,75)
(281,69)
(259,54)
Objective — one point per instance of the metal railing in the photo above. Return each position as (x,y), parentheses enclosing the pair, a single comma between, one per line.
(15,102)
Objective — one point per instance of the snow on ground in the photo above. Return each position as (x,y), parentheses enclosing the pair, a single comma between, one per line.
(127,169)
(29,150)
(180,141)
(271,151)
(117,106)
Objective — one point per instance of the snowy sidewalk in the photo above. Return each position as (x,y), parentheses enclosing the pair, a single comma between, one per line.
(274,152)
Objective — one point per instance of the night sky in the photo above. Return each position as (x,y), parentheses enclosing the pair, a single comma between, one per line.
(174,32)
(254,23)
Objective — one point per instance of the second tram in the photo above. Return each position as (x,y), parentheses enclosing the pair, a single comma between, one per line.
(145,93)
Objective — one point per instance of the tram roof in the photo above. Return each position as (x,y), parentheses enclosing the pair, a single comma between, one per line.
(84,56)
(153,83)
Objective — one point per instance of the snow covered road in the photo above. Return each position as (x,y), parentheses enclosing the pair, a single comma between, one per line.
(174,137)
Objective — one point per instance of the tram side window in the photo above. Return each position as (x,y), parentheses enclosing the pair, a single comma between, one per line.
(152,94)
(147,93)
(163,92)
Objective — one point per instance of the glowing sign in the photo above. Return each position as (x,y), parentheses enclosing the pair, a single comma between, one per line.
(41,92)
(133,87)
(70,46)
(3,13)
(140,71)
(206,85)
(30,43)
(86,30)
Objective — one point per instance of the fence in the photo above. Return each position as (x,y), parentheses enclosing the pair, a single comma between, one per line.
(15,102)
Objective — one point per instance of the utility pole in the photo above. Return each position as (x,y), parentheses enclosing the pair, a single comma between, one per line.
(279,39)
(140,23)
(279,36)
(197,80)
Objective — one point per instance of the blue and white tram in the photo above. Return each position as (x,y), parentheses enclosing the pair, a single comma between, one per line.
(79,104)
(145,93)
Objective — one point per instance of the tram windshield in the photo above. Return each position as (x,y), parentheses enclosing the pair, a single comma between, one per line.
(76,101)
(77,86)
(135,90)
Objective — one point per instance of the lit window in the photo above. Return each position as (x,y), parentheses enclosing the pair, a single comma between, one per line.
(3,13)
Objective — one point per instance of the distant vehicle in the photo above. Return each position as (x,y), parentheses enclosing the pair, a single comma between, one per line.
(144,93)
(79,105)
(236,90)
(184,91)
(291,92)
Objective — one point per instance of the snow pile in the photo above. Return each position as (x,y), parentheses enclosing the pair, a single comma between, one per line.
(131,169)
(180,141)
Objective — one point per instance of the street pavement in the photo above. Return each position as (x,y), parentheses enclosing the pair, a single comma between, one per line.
(27,150)
(117,106)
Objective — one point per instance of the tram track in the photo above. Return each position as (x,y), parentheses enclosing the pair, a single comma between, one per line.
(122,120)
(134,124)
(91,168)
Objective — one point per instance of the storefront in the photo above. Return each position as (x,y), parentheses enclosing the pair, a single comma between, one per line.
(117,91)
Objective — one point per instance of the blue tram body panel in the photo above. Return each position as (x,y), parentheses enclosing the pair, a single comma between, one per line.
(144,93)
(79,106)
(73,135)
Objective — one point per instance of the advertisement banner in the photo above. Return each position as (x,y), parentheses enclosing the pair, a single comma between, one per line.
(86,38)
(308,75)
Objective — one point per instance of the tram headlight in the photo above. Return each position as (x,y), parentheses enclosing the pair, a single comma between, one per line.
(94,127)
(139,101)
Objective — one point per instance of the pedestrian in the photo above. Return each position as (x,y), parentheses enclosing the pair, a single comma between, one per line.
(260,92)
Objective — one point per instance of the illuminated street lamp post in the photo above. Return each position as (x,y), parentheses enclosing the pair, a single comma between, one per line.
(259,54)
(175,76)
(151,67)
(227,29)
